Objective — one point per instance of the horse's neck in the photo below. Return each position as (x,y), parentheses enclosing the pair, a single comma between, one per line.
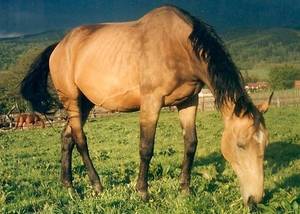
(228,108)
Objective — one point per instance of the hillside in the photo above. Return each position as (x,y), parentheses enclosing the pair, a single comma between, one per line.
(251,48)
(11,49)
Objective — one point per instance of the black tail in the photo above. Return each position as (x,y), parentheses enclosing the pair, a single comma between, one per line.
(34,85)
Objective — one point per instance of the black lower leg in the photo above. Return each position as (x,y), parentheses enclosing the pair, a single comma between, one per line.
(82,148)
(190,145)
(146,153)
(187,115)
(147,133)
(67,146)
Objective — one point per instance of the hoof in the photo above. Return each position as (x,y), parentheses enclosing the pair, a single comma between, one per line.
(72,193)
(186,191)
(144,195)
(97,189)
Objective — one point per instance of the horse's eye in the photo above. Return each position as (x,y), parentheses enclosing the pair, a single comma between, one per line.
(241,145)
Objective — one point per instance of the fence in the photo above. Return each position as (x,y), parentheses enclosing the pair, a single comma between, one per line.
(280,99)
(206,102)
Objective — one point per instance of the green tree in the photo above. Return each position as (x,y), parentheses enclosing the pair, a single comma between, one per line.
(283,77)
(10,81)
(249,78)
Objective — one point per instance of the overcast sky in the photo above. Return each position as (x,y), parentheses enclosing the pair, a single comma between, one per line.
(32,16)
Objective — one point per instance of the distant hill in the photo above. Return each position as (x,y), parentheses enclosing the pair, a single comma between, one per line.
(248,47)
(37,37)
(11,49)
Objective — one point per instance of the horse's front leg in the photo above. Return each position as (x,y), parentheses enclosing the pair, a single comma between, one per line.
(187,115)
(149,113)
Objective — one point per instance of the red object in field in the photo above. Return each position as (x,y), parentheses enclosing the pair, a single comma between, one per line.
(297,84)
(26,120)
(257,85)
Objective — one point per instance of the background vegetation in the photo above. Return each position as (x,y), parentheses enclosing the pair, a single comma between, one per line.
(258,52)
(16,55)
(284,77)
(12,49)
(255,47)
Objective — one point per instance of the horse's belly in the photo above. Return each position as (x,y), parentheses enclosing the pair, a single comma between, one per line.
(130,101)
(119,100)
(182,93)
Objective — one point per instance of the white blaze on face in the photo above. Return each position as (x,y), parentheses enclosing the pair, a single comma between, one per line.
(259,136)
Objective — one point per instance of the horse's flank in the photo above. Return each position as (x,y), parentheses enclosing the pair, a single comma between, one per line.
(139,56)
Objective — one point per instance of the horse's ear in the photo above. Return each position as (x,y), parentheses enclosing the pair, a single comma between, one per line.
(263,107)
(203,54)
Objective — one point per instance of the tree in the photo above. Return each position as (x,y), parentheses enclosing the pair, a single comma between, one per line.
(10,82)
(249,78)
(283,77)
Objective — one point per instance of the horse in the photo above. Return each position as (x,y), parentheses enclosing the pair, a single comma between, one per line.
(28,120)
(162,59)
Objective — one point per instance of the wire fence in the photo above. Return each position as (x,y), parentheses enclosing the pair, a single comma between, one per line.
(281,98)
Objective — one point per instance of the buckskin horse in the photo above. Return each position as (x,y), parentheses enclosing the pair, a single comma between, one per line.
(164,58)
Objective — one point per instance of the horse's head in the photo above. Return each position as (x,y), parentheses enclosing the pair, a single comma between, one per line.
(243,146)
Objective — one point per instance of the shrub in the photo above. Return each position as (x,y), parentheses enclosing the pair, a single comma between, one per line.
(250,78)
(283,77)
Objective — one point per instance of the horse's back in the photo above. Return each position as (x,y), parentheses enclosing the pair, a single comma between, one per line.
(109,62)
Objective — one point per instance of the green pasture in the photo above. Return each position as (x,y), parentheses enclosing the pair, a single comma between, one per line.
(30,168)
(262,71)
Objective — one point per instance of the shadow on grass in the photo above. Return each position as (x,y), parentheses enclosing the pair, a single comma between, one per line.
(292,181)
(289,182)
(281,154)
(214,158)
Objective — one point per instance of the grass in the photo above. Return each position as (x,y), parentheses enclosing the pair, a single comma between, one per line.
(30,167)
(261,71)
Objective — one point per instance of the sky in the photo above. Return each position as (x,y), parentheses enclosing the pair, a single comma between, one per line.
(33,16)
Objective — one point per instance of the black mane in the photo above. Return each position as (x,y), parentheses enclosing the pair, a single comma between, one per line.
(225,78)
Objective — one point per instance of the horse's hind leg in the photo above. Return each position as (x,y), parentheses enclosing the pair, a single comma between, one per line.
(78,111)
(67,145)
(187,115)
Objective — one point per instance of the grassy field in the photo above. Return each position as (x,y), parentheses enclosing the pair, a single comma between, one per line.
(30,167)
